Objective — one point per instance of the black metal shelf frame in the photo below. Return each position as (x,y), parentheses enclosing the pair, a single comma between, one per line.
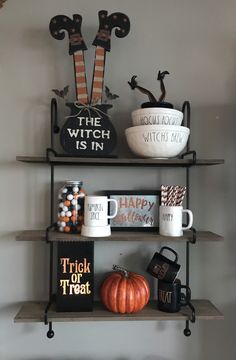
(55,130)
(187,118)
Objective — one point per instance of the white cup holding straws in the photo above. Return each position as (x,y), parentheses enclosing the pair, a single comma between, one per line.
(171,220)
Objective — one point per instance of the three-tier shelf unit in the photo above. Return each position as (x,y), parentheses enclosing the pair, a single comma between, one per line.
(44,311)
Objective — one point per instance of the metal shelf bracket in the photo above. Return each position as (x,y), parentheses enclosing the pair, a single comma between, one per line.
(187,331)
(50,332)
(194,238)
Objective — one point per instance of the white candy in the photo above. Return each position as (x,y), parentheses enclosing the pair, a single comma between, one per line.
(74,202)
(61,205)
(62,213)
(68,213)
(75,189)
(70,197)
(65,208)
(78,207)
(63,224)
(58,223)
(61,229)
(64,191)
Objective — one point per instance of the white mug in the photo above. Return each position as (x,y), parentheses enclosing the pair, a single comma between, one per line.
(96,210)
(171,219)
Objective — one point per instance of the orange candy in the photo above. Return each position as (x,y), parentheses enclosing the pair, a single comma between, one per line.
(74,212)
(67,228)
(67,203)
(66,219)
(73,218)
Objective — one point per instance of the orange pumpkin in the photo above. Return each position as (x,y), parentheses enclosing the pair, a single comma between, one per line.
(124,292)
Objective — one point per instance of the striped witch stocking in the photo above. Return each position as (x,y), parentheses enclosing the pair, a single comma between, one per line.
(80,77)
(98,76)
(58,26)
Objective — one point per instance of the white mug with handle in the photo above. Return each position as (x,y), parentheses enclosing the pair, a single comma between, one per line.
(96,210)
(171,220)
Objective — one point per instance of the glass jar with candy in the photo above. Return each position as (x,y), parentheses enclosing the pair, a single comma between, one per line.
(70,215)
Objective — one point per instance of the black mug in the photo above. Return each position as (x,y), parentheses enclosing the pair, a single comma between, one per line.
(162,267)
(170,298)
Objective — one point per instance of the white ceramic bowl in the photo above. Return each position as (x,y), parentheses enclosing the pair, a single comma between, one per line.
(156,116)
(157,141)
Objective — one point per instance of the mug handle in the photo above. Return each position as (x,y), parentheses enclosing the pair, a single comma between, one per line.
(116,208)
(171,250)
(190,217)
(185,299)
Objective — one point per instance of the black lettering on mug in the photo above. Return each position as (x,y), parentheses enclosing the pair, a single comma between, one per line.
(167,217)
(95,207)
(94,215)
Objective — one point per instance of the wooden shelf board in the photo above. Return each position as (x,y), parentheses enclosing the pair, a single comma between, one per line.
(68,160)
(40,235)
(32,159)
(34,312)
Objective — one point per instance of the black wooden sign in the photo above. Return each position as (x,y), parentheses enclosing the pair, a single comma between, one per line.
(88,131)
(75,276)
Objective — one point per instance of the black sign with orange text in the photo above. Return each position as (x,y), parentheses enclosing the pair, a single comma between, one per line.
(75,276)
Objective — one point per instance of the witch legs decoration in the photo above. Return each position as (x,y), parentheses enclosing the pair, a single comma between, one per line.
(77,138)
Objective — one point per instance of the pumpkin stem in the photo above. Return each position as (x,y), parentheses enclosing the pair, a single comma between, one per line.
(120,268)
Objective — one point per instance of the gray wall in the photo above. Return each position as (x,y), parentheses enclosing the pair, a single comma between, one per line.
(196,42)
